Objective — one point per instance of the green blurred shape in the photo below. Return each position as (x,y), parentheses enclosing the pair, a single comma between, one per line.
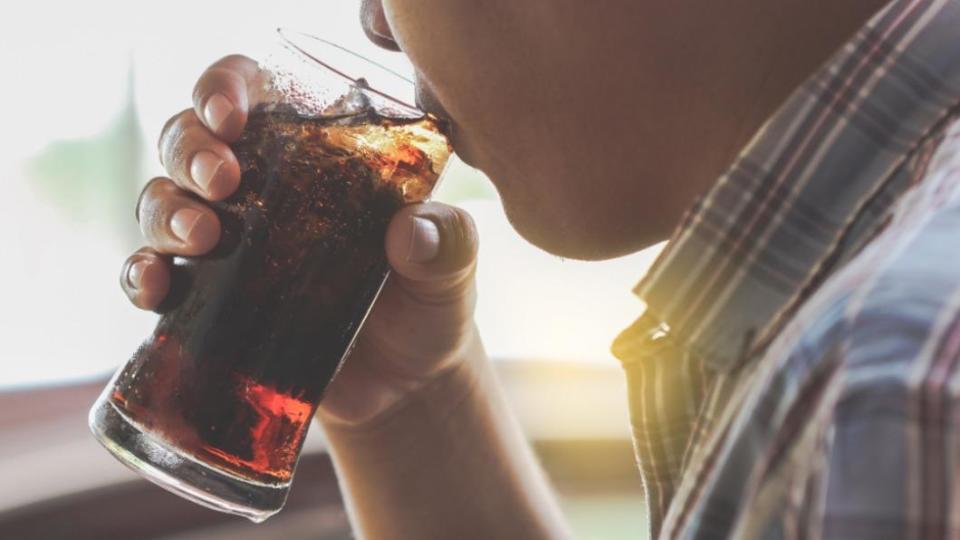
(606,516)
(94,180)
(461,182)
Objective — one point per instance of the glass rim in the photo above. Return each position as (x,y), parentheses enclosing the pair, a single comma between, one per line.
(286,36)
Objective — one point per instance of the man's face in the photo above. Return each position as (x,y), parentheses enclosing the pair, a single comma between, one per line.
(543,95)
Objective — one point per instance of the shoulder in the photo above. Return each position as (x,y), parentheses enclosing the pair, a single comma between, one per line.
(892,313)
(893,308)
(891,333)
(886,330)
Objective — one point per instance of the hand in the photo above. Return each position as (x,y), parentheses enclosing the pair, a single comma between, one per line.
(423,320)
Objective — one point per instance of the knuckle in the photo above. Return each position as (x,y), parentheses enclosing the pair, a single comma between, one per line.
(192,136)
(178,153)
(150,204)
(219,77)
(152,222)
(233,60)
(190,139)
(235,57)
(215,77)
(172,131)
(156,186)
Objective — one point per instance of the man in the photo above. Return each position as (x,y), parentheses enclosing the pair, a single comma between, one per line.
(796,370)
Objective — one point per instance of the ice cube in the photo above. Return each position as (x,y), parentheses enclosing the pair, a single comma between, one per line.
(354,102)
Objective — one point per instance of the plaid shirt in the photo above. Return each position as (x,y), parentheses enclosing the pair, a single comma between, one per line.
(797,370)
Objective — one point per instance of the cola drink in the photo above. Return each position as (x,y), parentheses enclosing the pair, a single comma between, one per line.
(220,396)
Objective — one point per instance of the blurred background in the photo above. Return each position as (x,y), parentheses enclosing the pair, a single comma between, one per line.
(87,88)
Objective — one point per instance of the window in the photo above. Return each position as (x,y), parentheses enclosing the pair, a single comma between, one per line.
(90,92)
(86,92)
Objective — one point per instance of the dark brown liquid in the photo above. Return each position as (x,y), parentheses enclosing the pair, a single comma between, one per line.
(252,334)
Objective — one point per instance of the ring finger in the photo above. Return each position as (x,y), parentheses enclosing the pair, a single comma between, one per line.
(174,222)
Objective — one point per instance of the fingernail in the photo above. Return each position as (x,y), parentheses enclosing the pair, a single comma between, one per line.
(184,222)
(217,110)
(135,274)
(424,241)
(204,167)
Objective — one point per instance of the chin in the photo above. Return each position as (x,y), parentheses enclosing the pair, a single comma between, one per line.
(582,224)
(573,236)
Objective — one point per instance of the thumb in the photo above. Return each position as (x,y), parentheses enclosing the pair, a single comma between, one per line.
(432,247)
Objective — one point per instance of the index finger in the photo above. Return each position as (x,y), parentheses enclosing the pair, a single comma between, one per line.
(221,97)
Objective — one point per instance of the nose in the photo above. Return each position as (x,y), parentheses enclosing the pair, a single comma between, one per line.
(374,24)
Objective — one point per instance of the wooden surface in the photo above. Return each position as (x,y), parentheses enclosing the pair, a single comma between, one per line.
(57,482)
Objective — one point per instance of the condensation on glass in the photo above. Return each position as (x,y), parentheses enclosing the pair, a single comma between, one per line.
(215,404)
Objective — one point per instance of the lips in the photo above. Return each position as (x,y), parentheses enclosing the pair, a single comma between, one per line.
(426,101)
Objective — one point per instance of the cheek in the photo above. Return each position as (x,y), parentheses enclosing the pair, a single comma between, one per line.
(519,90)
(466,51)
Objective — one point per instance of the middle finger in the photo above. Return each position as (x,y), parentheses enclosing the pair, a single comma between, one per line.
(196,160)
(175,222)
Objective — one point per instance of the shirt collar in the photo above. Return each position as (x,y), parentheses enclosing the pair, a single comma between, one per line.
(752,241)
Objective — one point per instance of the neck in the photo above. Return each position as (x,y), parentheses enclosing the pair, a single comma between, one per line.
(736,63)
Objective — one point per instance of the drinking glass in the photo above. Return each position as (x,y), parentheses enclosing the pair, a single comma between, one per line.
(215,404)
